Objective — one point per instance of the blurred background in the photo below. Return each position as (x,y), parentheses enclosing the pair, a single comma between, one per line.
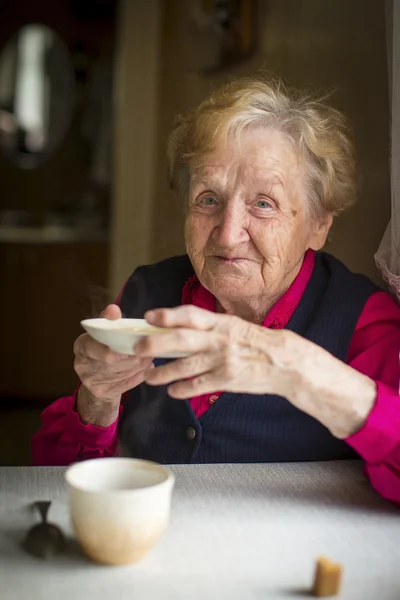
(88,94)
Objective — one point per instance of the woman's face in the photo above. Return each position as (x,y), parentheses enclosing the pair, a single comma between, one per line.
(248,224)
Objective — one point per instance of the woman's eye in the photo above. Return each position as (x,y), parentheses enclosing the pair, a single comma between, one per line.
(208,201)
(263,204)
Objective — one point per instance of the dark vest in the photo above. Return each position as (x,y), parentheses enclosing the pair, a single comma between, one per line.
(240,427)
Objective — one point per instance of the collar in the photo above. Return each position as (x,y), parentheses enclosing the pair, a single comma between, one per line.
(281,312)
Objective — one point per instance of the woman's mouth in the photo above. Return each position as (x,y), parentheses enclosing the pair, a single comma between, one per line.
(231,259)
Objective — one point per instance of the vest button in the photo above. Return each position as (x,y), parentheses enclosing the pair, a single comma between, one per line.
(212,399)
(190,433)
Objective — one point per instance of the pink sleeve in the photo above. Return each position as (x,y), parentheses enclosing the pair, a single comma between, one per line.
(374,351)
(64,439)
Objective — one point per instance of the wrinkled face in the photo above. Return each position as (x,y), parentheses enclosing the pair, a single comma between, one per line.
(248,223)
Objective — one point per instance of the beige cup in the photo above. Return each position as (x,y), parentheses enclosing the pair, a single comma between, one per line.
(119,507)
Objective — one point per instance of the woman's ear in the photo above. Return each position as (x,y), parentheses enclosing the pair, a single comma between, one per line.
(321,230)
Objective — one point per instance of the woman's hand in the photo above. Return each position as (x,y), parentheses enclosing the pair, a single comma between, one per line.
(230,354)
(105,376)
(226,353)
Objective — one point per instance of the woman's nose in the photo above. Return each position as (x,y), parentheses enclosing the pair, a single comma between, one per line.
(231,229)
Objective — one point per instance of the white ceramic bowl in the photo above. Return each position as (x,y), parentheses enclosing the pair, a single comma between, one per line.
(120,335)
(119,507)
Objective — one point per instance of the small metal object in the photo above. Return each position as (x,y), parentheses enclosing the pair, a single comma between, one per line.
(44,540)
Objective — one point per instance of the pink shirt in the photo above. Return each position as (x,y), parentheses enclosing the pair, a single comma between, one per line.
(374,351)
(277,318)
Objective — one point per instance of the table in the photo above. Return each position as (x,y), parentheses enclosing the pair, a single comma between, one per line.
(237,531)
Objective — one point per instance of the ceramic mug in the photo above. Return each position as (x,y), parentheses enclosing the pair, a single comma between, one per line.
(119,507)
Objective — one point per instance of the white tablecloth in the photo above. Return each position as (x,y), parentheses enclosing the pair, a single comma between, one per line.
(237,531)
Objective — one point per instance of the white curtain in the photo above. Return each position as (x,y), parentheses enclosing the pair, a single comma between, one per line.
(387,257)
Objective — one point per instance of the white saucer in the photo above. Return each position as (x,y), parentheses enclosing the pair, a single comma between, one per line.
(120,335)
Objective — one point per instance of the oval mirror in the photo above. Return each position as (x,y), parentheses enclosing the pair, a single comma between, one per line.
(37,88)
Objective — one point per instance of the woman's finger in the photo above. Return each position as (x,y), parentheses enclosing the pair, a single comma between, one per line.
(182,368)
(115,387)
(126,367)
(206,383)
(187,316)
(86,346)
(88,349)
(179,340)
(137,378)
(112,312)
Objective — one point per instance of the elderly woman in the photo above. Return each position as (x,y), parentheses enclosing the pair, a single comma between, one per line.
(291,357)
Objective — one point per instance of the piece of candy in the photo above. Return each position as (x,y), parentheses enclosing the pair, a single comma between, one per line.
(327,579)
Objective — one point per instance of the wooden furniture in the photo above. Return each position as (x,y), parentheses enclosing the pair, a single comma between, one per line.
(46,289)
